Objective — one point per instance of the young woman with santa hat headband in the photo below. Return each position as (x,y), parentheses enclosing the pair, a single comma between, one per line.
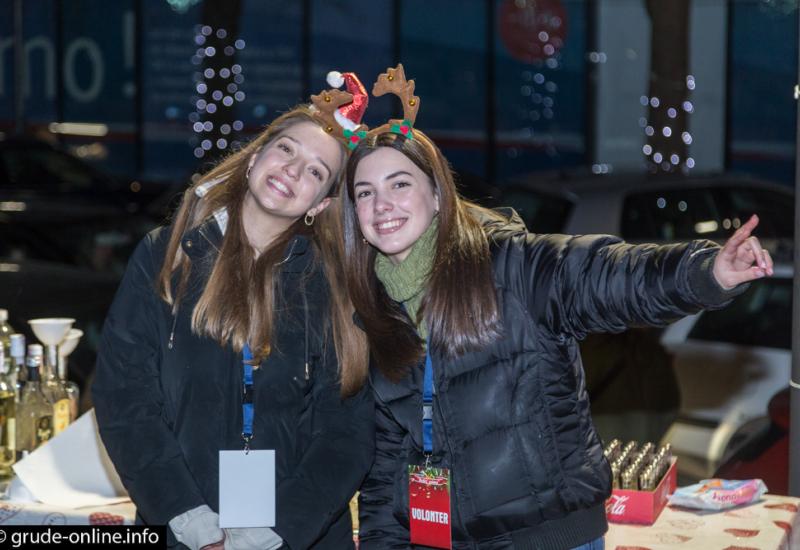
(231,331)
(484,440)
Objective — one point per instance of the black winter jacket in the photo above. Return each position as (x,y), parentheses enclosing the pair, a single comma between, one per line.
(168,400)
(512,421)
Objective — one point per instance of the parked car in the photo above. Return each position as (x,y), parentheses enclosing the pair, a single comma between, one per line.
(639,208)
(729,364)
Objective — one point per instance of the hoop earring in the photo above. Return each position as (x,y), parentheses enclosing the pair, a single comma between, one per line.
(309,220)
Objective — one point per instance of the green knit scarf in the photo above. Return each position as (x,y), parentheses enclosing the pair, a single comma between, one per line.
(406,281)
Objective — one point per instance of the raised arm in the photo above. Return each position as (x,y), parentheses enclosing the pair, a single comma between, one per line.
(597,283)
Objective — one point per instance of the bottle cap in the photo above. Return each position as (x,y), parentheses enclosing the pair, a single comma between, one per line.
(3,315)
(17,345)
(35,350)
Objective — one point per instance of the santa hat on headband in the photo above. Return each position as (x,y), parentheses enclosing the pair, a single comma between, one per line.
(349,116)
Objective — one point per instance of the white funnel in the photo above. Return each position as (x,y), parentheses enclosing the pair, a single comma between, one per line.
(70,342)
(52,330)
(66,347)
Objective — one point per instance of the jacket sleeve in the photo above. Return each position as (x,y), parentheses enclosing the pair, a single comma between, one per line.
(334,465)
(129,401)
(597,283)
(378,527)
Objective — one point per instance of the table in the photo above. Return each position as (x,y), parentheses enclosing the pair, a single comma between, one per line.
(770,524)
(28,513)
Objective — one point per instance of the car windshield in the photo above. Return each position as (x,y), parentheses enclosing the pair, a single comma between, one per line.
(760,317)
(710,213)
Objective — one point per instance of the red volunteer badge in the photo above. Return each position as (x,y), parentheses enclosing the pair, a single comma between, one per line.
(429,506)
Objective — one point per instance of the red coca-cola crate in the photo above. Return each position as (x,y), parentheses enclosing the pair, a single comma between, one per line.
(626,506)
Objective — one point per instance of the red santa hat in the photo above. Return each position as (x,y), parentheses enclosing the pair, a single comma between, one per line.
(349,116)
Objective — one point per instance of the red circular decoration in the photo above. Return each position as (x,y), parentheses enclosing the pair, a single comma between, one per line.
(532,30)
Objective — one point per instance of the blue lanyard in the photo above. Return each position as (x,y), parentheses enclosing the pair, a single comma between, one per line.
(247,397)
(427,406)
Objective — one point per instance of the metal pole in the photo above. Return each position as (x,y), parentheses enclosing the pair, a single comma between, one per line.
(794,382)
(138,79)
(306,41)
(20,71)
(491,127)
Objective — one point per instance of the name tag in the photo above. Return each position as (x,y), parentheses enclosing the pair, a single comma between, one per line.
(246,489)
(429,502)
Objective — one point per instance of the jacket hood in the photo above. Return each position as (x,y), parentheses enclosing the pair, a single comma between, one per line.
(500,222)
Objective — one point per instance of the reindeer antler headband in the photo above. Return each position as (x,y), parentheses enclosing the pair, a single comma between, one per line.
(341,111)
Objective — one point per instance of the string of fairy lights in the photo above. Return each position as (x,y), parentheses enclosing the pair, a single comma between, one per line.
(539,84)
(663,160)
(216,92)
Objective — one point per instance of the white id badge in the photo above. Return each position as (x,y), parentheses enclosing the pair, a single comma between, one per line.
(246,489)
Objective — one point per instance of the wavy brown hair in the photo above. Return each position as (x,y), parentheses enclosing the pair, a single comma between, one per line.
(237,305)
(461,268)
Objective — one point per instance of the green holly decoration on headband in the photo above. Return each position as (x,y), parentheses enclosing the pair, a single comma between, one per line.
(354,138)
(403,128)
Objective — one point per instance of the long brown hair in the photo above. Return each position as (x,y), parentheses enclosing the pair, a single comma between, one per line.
(237,304)
(462,265)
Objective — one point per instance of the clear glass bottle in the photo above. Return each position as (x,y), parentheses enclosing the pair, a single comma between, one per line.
(8,416)
(18,373)
(5,332)
(72,389)
(55,392)
(34,413)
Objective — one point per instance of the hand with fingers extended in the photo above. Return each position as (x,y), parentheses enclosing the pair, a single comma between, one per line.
(742,258)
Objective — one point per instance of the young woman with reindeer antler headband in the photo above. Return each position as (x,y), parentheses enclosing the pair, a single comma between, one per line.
(231,331)
(483,434)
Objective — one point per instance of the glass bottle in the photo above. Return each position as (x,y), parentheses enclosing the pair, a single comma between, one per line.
(35,413)
(72,389)
(5,331)
(55,392)
(8,436)
(18,373)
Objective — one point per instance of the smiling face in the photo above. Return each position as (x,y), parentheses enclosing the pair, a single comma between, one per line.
(394,200)
(291,176)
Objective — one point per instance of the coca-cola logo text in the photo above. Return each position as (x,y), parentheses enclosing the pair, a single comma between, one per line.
(615,506)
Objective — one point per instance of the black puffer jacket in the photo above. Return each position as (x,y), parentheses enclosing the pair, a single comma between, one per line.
(168,400)
(512,421)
